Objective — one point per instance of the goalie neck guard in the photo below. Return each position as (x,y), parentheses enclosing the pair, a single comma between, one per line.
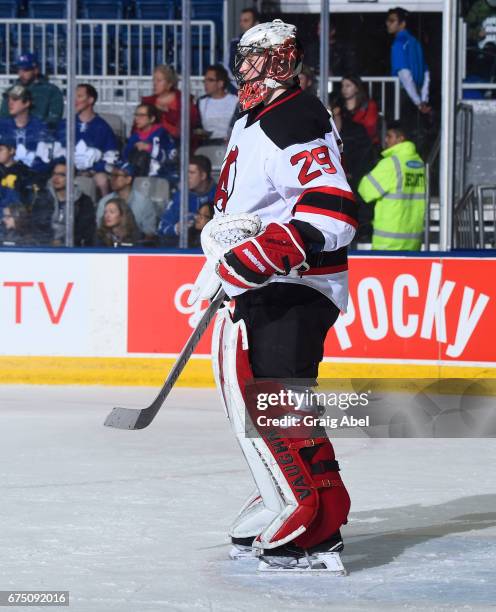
(268,56)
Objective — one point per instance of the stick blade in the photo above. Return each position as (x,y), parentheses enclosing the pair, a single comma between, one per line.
(124,418)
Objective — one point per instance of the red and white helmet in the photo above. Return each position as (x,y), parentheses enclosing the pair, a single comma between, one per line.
(268,56)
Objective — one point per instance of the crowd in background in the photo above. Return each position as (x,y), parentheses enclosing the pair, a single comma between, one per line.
(112,200)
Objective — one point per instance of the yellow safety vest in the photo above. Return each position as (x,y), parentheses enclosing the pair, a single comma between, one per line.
(397,184)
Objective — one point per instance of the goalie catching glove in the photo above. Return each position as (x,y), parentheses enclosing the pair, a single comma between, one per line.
(277,249)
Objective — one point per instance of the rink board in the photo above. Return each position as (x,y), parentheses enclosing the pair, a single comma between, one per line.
(121,318)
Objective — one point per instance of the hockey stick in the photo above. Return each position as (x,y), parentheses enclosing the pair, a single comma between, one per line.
(136,418)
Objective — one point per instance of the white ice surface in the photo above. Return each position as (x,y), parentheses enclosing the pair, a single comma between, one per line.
(135,521)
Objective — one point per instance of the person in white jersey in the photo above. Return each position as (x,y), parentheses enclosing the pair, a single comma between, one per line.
(217,107)
(289,281)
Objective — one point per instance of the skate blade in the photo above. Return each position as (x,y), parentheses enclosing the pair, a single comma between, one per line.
(240,554)
(328,563)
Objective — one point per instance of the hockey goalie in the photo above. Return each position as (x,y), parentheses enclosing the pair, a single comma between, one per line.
(285,215)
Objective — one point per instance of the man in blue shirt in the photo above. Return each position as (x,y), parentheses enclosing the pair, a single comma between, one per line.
(34,143)
(407,60)
(201,191)
(408,64)
(96,144)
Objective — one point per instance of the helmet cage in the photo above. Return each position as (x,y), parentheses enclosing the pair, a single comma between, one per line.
(281,64)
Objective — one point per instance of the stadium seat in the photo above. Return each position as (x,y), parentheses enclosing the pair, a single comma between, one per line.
(210,10)
(103,9)
(51,9)
(9,9)
(156,189)
(155,9)
(215,154)
(118,127)
(87,185)
(207,9)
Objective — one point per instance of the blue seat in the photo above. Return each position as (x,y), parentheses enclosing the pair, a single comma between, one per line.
(103,9)
(47,10)
(99,10)
(211,10)
(141,47)
(155,9)
(207,9)
(9,9)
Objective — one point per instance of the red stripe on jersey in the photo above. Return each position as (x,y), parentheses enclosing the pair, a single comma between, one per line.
(329,190)
(277,103)
(326,270)
(315,210)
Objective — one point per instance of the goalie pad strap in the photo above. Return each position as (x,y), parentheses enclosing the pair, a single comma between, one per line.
(326,465)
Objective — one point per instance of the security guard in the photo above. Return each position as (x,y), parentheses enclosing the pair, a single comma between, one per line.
(397,184)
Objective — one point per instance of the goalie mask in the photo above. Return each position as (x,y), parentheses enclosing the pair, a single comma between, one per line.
(269,56)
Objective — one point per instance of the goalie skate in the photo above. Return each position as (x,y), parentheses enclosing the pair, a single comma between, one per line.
(317,563)
(241,549)
(240,552)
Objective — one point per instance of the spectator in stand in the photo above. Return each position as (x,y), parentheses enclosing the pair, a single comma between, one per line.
(8,197)
(201,191)
(481,20)
(408,64)
(342,53)
(150,149)
(306,79)
(397,186)
(167,99)
(203,215)
(49,218)
(217,108)
(34,144)
(13,174)
(359,157)
(15,225)
(96,144)
(362,109)
(121,181)
(358,152)
(117,226)
(29,186)
(48,101)
(247,19)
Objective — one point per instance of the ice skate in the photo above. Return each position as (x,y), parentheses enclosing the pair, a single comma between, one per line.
(242,549)
(322,559)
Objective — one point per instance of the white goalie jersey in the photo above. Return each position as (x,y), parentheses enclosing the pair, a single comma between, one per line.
(283,163)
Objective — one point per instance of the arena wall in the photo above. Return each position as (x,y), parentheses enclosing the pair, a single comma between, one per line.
(121,318)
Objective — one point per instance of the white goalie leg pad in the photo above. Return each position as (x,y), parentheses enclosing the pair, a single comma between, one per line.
(282,517)
(252,519)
